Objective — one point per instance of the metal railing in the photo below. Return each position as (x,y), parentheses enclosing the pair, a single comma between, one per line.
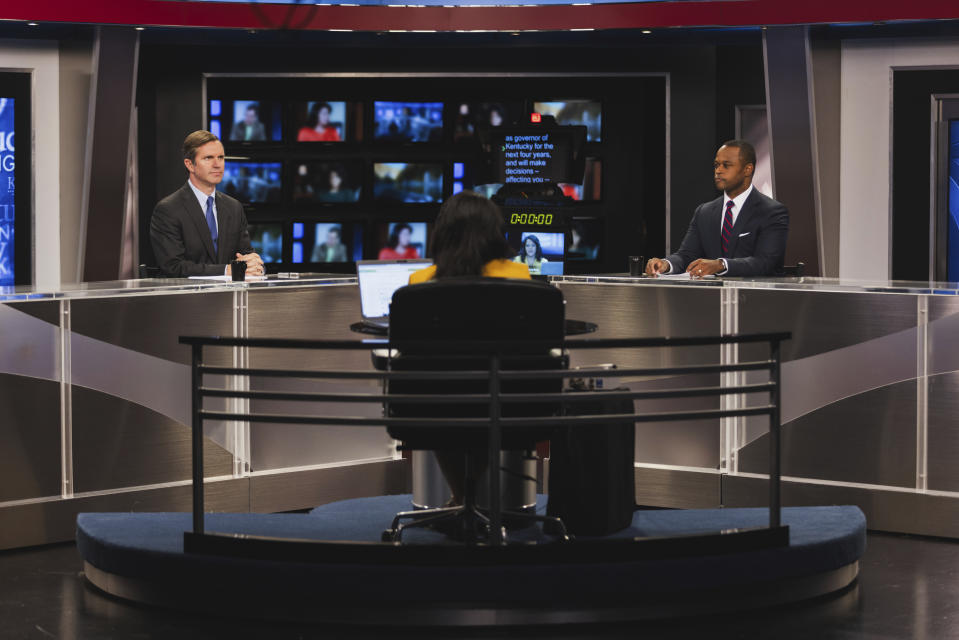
(494,351)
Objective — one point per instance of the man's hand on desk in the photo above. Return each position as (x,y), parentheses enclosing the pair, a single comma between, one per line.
(254,264)
(656,266)
(703,267)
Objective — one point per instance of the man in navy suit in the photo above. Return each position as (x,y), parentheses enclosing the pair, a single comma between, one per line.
(197,230)
(741,233)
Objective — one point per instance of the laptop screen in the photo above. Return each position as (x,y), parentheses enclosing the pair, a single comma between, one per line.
(379,279)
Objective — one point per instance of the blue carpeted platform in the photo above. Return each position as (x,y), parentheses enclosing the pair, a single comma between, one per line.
(146,549)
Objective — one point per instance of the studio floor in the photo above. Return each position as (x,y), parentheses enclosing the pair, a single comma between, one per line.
(908,588)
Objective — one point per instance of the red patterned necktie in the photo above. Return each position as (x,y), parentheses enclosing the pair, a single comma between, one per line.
(727,228)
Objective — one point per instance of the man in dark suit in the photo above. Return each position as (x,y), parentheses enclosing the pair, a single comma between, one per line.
(197,230)
(741,233)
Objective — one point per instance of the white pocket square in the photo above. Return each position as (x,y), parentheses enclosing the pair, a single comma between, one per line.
(743,235)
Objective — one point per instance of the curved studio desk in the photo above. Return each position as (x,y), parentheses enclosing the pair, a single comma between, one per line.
(94,398)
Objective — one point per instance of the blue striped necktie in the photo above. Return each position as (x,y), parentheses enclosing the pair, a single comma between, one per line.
(211,222)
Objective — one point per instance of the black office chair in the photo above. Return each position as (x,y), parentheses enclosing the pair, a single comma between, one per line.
(473,309)
(144,271)
(794,270)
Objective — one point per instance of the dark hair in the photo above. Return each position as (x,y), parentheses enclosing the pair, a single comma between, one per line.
(746,151)
(468,234)
(194,141)
(539,248)
(395,234)
(338,231)
(314,118)
(254,107)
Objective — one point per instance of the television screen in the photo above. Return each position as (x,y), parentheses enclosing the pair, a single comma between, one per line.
(471,117)
(334,181)
(407,182)
(588,113)
(400,240)
(323,121)
(267,240)
(542,251)
(586,239)
(325,242)
(590,188)
(7,191)
(246,120)
(408,121)
(252,182)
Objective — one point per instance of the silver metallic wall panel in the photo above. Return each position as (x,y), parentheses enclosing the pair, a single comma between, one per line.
(943,334)
(943,449)
(304,489)
(823,321)
(275,446)
(843,345)
(869,438)
(29,438)
(636,311)
(56,520)
(896,511)
(153,324)
(35,351)
(319,313)
(687,443)
(121,444)
(678,489)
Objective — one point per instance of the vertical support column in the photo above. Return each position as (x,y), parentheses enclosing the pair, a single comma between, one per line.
(922,393)
(112,91)
(495,515)
(775,446)
(789,98)
(196,437)
(240,431)
(731,429)
(66,402)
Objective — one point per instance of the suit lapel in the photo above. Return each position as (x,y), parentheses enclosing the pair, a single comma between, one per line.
(714,221)
(748,210)
(196,214)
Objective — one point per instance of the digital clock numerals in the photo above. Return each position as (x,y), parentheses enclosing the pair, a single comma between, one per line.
(531,218)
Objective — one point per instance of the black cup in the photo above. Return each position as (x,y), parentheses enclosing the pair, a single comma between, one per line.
(637,265)
(238,270)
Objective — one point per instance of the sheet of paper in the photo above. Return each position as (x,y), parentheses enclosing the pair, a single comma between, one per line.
(682,276)
(226,278)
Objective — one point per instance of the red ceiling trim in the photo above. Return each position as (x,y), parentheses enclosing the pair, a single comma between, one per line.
(262,16)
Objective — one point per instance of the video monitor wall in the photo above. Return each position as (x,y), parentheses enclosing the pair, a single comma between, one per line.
(267,240)
(252,182)
(331,181)
(401,240)
(408,121)
(331,172)
(328,242)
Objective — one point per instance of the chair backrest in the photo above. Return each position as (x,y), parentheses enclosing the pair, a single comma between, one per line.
(478,308)
(474,309)
(794,270)
(144,271)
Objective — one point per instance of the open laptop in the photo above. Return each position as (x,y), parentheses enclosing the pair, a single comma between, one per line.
(378,280)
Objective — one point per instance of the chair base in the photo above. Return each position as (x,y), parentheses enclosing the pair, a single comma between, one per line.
(469,524)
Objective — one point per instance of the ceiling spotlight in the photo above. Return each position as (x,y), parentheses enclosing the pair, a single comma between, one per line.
(139,28)
(31,24)
(646,32)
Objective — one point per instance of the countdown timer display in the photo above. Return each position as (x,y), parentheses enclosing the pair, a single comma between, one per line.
(531,218)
